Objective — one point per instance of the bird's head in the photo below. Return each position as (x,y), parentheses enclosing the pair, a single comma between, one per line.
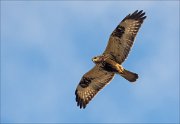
(99,59)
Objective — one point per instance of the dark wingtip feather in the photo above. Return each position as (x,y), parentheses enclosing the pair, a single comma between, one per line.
(80,101)
(137,15)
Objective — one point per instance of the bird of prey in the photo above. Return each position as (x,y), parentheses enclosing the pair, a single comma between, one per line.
(109,63)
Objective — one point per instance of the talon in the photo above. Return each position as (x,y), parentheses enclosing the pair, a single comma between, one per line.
(120,68)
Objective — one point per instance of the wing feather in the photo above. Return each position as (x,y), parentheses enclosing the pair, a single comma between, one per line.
(92,82)
(122,38)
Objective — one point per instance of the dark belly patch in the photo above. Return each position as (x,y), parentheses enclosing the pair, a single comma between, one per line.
(108,67)
(85,82)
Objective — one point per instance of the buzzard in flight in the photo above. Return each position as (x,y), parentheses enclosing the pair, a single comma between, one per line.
(109,63)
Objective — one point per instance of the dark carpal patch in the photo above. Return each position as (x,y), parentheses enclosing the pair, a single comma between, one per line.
(85,82)
(119,31)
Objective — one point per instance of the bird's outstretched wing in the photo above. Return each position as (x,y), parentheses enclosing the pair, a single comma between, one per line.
(122,38)
(92,82)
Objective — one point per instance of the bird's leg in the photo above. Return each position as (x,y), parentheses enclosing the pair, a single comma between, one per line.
(116,66)
(119,68)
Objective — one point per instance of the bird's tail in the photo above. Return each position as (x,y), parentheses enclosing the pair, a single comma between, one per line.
(130,76)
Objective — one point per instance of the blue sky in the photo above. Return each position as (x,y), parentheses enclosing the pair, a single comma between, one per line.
(47,46)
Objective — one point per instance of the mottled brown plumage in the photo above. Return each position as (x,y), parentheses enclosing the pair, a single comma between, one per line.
(109,63)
